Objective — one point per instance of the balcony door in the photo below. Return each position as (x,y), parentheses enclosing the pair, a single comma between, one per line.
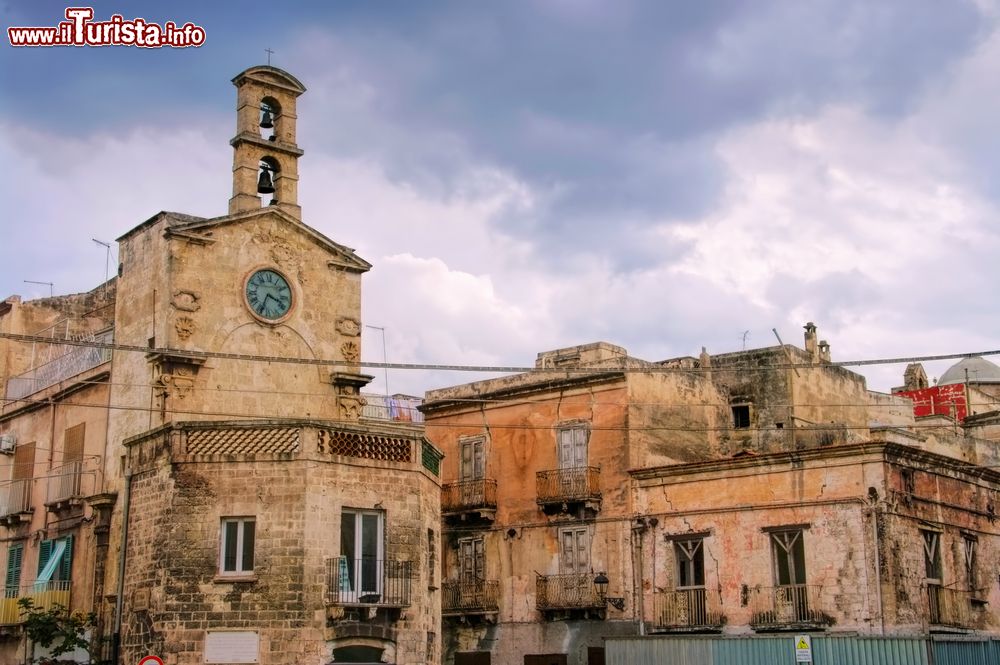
(362,549)
(472,571)
(578,585)
(572,456)
(791,601)
(473,466)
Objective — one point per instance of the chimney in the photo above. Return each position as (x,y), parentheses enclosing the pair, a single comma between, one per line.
(811,347)
(824,350)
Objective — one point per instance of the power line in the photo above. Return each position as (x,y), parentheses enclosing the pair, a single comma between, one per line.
(506,401)
(818,427)
(639,366)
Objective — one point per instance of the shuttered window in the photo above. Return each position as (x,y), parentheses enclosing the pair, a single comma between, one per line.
(12,582)
(55,560)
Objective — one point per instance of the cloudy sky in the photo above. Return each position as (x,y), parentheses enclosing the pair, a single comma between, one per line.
(531,175)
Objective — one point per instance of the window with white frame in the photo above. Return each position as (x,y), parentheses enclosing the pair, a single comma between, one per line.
(362,551)
(237,546)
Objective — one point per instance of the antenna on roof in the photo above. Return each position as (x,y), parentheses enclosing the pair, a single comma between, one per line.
(31,281)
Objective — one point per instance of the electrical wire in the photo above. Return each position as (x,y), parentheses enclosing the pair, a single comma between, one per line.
(640,366)
(502,401)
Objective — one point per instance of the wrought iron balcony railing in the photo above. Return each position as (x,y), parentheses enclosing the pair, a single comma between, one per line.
(68,482)
(75,361)
(43,595)
(953,607)
(687,609)
(15,497)
(469,495)
(476,597)
(367,582)
(786,606)
(564,592)
(568,485)
(398,408)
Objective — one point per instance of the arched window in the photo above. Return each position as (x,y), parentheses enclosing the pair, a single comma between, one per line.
(267,176)
(270,118)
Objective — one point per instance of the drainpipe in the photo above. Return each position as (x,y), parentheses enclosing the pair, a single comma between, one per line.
(639,529)
(878,569)
(116,644)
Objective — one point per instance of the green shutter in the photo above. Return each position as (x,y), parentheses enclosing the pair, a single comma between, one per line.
(15,554)
(44,552)
(66,567)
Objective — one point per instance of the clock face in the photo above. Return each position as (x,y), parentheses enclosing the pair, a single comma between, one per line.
(268,294)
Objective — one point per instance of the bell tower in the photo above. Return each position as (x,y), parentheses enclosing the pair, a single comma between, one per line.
(265,156)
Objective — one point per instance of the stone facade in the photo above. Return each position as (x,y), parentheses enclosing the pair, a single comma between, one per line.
(242,506)
(736,493)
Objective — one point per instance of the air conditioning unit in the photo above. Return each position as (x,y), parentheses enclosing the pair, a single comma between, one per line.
(7,443)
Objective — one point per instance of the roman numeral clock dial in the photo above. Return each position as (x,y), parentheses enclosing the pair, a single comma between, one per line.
(268,295)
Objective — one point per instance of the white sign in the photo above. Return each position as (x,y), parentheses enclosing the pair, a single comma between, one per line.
(803,649)
(231,647)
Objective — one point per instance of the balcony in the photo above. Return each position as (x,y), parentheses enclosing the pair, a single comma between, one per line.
(78,360)
(469,500)
(568,596)
(465,599)
(790,607)
(566,490)
(687,610)
(44,595)
(15,502)
(67,485)
(367,582)
(397,408)
(952,608)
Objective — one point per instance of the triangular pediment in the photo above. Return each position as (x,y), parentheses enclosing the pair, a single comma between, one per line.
(341,256)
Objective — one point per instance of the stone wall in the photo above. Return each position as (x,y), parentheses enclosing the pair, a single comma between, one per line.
(175,595)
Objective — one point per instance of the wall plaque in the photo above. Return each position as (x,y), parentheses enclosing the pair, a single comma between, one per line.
(232,646)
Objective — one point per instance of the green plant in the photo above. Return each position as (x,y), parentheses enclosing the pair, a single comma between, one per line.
(58,630)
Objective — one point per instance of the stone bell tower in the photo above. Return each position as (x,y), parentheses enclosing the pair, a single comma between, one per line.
(265,156)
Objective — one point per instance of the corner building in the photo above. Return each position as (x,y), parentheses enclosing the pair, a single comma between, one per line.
(602,499)
(259,514)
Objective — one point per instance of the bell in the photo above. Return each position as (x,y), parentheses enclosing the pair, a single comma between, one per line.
(266,122)
(264,184)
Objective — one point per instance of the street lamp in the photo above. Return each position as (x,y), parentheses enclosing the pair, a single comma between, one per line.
(601,583)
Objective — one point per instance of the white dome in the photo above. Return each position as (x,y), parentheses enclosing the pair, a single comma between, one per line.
(980,371)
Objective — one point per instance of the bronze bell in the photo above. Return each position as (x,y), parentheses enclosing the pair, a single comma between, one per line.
(265,121)
(264,184)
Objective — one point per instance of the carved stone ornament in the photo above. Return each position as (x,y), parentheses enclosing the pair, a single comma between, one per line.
(186,301)
(185,326)
(350,408)
(351,351)
(348,326)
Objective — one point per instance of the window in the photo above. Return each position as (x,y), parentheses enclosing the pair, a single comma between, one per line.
(362,551)
(573,447)
(55,560)
(473,460)
(741,416)
(932,556)
(471,561)
(12,582)
(971,542)
(789,556)
(690,563)
(238,536)
(575,550)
